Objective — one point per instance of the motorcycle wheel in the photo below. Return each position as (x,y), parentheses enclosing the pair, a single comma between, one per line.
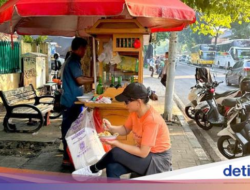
(229,147)
(201,120)
(190,112)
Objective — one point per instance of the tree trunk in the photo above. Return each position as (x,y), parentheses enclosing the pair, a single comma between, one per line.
(170,76)
(154,53)
(216,38)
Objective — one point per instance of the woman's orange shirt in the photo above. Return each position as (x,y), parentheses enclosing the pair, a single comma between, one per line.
(149,130)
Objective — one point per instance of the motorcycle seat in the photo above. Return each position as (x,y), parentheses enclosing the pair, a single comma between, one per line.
(229,102)
(224,94)
(239,126)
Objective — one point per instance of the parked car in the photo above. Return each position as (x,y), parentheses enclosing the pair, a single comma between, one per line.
(184,58)
(240,70)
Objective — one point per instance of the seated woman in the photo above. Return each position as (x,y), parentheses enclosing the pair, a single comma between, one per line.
(150,155)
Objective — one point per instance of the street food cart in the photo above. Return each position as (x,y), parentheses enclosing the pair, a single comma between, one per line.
(127,42)
(73,18)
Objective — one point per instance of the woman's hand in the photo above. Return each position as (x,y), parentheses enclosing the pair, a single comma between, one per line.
(111,142)
(106,125)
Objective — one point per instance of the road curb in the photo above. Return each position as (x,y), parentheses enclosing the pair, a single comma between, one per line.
(202,156)
(214,153)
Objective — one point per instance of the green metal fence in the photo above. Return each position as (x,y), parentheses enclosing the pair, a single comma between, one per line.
(9,58)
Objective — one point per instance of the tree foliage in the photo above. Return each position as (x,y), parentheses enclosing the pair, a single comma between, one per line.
(237,9)
(187,39)
(240,31)
(161,36)
(2,2)
(28,39)
(215,15)
(38,40)
(211,24)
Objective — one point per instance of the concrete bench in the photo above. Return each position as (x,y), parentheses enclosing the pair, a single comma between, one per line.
(18,105)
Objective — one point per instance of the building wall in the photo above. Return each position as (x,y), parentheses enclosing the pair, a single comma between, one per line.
(9,81)
(25,47)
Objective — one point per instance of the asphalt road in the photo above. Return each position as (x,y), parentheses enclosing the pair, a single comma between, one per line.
(185,79)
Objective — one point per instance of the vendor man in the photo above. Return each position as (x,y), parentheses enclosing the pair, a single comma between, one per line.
(73,80)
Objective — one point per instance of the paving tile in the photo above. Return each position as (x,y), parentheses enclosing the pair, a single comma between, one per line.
(12,161)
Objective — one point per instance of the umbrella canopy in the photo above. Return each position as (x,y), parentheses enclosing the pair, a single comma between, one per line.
(71,17)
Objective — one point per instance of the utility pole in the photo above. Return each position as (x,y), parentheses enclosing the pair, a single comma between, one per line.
(170,76)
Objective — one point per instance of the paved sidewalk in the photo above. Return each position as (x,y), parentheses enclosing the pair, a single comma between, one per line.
(186,150)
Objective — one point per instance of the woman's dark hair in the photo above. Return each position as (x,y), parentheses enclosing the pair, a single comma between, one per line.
(78,42)
(151,95)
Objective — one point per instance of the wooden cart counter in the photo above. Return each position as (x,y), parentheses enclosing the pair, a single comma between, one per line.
(113,105)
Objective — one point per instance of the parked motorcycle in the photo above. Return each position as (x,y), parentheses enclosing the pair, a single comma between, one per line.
(197,94)
(211,111)
(234,140)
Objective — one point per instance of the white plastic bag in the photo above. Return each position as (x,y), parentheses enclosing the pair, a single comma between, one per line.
(108,56)
(115,59)
(101,57)
(84,145)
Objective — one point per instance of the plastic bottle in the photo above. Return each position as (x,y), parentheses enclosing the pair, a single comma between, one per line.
(99,88)
(132,79)
(112,82)
(104,77)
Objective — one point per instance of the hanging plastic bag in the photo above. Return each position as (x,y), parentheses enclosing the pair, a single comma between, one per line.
(108,50)
(116,59)
(84,145)
(101,57)
(99,128)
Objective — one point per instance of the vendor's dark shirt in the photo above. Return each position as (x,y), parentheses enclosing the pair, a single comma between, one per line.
(71,89)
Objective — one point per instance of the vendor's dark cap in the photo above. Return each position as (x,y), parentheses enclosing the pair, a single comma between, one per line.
(133,91)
